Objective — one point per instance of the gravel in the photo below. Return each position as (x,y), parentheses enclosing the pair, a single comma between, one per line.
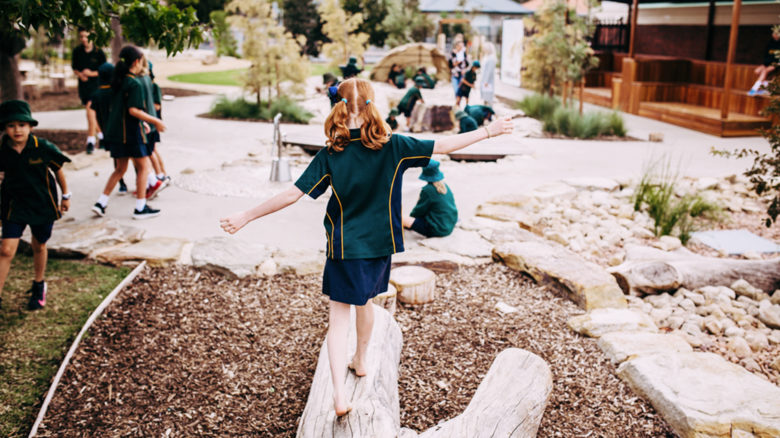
(182,352)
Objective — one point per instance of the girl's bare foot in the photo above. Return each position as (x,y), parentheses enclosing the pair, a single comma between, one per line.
(341,406)
(357,367)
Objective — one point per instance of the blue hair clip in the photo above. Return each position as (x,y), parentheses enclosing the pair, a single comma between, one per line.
(344,100)
(368,101)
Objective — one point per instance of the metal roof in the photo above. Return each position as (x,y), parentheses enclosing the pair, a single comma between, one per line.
(505,7)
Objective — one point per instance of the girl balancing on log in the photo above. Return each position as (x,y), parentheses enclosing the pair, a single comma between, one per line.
(363,165)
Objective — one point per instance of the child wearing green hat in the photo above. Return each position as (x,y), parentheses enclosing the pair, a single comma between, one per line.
(351,69)
(435,214)
(467,123)
(406,105)
(28,195)
(480,113)
(469,79)
(391,119)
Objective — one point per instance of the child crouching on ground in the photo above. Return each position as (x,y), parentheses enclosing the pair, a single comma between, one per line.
(28,192)
(363,165)
(435,214)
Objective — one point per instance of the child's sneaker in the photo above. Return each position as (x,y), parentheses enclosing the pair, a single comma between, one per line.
(99,209)
(146,213)
(38,297)
(122,187)
(152,191)
(752,92)
(90,148)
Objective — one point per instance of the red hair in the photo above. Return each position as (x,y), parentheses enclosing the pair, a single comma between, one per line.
(357,97)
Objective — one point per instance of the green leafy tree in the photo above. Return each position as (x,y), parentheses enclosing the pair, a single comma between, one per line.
(301,18)
(341,28)
(274,52)
(558,51)
(203,8)
(143,22)
(223,37)
(405,23)
(374,12)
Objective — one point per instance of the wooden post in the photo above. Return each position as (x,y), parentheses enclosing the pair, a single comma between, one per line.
(724,108)
(632,40)
(582,89)
(710,32)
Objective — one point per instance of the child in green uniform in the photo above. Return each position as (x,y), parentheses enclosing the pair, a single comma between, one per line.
(363,165)
(28,192)
(351,69)
(435,214)
(155,181)
(391,121)
(406,105)
(85,61)
(429,81)
(469,79)
(128,127)
(467,123)
(99,106)
(480,113)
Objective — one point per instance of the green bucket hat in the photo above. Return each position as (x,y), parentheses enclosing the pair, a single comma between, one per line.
(394,112)
(352,60)
(15,111)
(420,80)
(460,114)
(476,64)
(431,172)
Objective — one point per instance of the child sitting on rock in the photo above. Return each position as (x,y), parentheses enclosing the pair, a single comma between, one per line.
(467,123)
(28,193)
(435,214)
(363,165)
(391,119)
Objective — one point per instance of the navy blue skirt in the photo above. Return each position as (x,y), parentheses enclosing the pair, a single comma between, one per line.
(355,281)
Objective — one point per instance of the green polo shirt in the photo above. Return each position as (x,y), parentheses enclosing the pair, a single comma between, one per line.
(409,99)
(148,88)
(122,127)
(393,122)
(29,191)
(157,93)
(439,210)
(468,124)
(470,77)
(479,112)
(81,59)
(429,81)
(363,217)
(101,104)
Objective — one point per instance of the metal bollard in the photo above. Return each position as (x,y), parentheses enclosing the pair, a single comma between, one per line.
(280,166)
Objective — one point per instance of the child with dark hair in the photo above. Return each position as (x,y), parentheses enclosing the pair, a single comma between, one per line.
(467,83)
(407,103)
(350,70)
(466,122)
(128,130)
(363,165)
(480,113)
(99,107)
(396,76)
(86,59)
(28,193)
(429,81)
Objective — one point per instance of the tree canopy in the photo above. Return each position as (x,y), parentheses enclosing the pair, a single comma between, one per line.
(341,28)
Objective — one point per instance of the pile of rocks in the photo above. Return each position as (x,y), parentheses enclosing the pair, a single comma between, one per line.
(741,322)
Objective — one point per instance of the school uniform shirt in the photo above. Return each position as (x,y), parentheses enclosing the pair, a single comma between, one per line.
(470,77)
(479,112)
(122,127)
(148,88)
(468,124)
(410,98)
(363,216)
(82,59)
(101,104)
(429,81)
(29,191)
(439,211)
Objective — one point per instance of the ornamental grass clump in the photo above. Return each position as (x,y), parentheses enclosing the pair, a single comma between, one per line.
(240,108)
(569,122)
(539,106)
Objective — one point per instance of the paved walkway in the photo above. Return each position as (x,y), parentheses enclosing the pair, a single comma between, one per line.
(199,146)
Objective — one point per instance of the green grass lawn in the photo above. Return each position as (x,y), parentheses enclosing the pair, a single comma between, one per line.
(233,77)
(33,344)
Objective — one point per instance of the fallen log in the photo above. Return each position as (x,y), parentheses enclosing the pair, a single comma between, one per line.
(374,398)
(650,271)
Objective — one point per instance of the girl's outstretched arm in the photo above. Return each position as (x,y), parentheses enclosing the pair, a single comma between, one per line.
(233,223)
(454,142)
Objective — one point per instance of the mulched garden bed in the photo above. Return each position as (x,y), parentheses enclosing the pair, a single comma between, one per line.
(71,141)
(184,353)
(69,99)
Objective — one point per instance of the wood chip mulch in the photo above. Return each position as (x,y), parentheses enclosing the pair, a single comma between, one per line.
(188,353)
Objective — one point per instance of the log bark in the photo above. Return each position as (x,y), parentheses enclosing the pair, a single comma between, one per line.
(509,402)
(415,284)
(374,398)
(10,78)
(387,300)
(650,271)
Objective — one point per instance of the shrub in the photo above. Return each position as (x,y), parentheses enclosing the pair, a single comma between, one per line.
(559,119)
(241,109)
(539,106)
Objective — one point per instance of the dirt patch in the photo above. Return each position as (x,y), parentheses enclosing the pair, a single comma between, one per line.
(187,353)
(71,141)
(69,99)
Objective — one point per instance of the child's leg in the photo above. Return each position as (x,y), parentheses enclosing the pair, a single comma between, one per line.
(365,324)
(7,251)
(119,171)
(40,257)
(338,323)
(157,163)
(142,169)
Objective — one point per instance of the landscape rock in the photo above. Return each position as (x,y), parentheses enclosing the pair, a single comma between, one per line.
(299,261)
(769,314)
(586,283)
(776,364)
(593,183)
(743,288)
(668,243)
(502,212)
(703,395)
(776,297)
(227,255)
(76,239)
(462,242)
(514,200)
(757,340)
(620,346)
(435,260)
(505,308)
(157,251)
(477,223)
(554,191)
(599,322)
(739,347)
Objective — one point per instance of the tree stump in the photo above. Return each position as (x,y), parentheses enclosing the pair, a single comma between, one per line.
(431,118)
(374,398)
(509,402)
(415,284)
(649,271)
(386,300)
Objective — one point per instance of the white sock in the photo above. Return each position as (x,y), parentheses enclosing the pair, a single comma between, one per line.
(103,200)
(160,176)
(755,86)
(140,204)
(100,136)
(91,139)
(151,180)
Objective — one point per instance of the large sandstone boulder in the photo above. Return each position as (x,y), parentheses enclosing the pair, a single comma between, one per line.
(509,213)
(593,183)
(586,283)
(77,239)
(620,346)
(299,261)
(461,242)
(230,256)
(704,395)
(157,251)
(599,322)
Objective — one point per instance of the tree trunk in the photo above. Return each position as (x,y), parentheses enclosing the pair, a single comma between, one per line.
(650,271)
(374,398)
(415,284)
(117,41)
(10,78)
(582,90)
